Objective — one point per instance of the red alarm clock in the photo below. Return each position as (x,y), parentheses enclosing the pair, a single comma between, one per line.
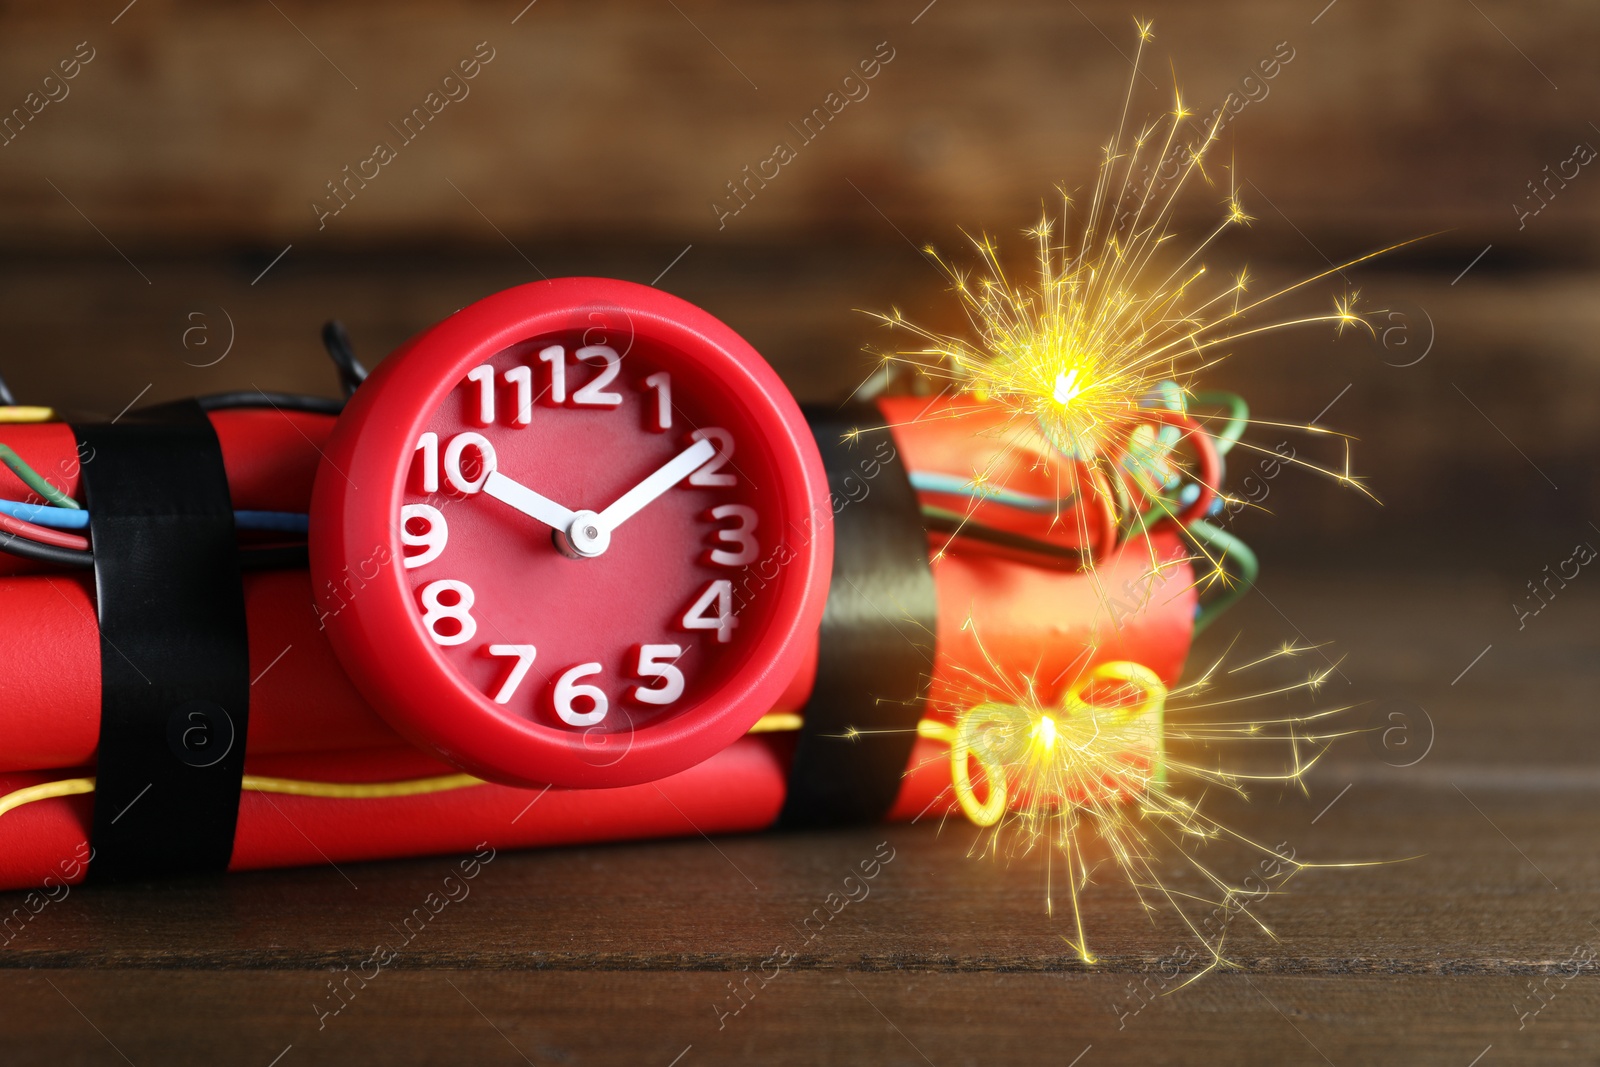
(578,533)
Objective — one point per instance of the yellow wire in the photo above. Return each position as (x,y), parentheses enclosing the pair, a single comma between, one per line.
(984,812)
(778,722)
(44,791)
(22,413)
(961,739)
(359,790)
(256,783)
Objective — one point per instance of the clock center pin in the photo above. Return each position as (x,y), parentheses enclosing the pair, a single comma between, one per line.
(585,537)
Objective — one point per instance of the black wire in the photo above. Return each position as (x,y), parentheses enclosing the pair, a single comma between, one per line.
(351,374)
(274,558)
(337,341)
(255,398)
(271,558)
(956,525)
(30,549)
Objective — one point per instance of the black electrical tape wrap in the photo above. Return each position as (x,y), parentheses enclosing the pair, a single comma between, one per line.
(875,651)
(174,655)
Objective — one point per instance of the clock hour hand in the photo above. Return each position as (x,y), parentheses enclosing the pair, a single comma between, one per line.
(665,477)
(509,491)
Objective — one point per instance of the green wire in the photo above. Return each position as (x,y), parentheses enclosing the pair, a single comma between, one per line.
(1248,568)
(1226,438)
(1224,544)
(21,469)
(1165,508)
(1238,417)
(1124,499)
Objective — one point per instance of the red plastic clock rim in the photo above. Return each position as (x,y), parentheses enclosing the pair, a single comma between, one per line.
(365,600)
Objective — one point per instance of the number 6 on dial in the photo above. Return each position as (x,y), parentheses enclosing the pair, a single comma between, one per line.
(568,688)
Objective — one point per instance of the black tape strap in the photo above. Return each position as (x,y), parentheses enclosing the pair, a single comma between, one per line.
(877,640)
(174,654)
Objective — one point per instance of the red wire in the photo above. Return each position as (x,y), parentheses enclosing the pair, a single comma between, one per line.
(1099,490)
(1205,449)
(43,534)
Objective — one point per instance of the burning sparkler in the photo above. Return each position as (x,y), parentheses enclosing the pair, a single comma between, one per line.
(1106,769)
(1097,350)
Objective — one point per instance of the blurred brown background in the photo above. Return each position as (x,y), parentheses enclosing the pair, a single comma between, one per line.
(186,155)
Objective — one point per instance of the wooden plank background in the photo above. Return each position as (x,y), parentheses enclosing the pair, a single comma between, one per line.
(186,156)
(207,123)
(169,184)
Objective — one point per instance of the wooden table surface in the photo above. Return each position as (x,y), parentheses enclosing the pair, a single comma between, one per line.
(622,954)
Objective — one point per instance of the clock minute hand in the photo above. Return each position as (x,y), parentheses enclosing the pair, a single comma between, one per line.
(509,491)
(665,477)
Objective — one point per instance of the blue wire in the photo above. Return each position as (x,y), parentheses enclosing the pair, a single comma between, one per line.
(68,519)
(955,485)
(279,521)
(1165,394)
(45,515)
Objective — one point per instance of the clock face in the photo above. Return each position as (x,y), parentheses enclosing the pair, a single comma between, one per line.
(606,547)
(585,537)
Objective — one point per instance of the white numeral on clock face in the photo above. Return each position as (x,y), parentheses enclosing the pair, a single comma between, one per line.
(717,596)
(568,688)
(484,376)
(431,540)
(519,670)
(742,535)
(595,394)
(656,661)
(661,417)
(459,610)
(522,378)
(556,356)
(710,475)
(589,395)
(428,445)
(452,461)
